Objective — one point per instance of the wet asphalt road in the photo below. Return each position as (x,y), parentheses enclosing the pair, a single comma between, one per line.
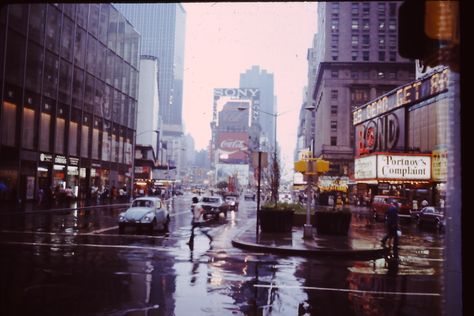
(76,263)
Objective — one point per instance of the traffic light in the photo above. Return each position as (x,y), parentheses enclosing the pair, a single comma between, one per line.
(429,31)
(322,165)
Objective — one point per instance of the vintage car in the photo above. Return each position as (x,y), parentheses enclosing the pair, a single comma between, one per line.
(232,201)
(249,195)
(381,203)
(431,216)
(213,205)
(145,212)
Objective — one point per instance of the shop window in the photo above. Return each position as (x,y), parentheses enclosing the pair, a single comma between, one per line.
(59,139)
(95,144)
(28,135)
(9,124)
(85,141)
(45,130)
(106,146)
(72,148)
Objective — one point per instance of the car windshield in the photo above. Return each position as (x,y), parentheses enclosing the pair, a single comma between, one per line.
(210,200)
(230,198)
(142,203)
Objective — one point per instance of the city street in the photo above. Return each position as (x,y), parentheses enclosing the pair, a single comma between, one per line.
(74,262)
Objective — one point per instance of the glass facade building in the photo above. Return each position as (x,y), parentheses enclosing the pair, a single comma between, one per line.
(162,29)
(69,88)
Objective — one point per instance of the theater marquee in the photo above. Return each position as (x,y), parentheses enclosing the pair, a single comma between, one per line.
(387,166)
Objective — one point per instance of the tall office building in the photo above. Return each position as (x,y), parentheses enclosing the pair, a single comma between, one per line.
(356,58)
(68,85)
(262,80)
(162,30)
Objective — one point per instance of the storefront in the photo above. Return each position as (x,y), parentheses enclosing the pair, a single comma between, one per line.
(401,140)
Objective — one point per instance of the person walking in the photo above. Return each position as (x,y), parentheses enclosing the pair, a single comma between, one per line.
(197,221)
(392,227)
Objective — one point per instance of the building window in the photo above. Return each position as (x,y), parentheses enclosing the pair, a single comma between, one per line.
(45,128)
(355,55)
(354,74)
(334,74)
(355,8)
(359,96)
(335,55)
(59,138)
(365,24)
(380,75)
(120,150)
(334,25)
(382,25)
(392,75)
(335,7)
(365,55)
(9,124)
(106,146)
(392,56)
(355,40)
(53,27)
(333,126)
(334,109)
(365,40)
(333,141)
(365,74)
(95,143)
(365,8)
(334,94)
(85,141)
(382,41)
(72,147)
(334,40)
(392,25)
(381,9)
(392,7)
(355,24)
(28,128)
(381,56)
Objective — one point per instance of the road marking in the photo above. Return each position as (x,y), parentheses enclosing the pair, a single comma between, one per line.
(81,245)
(269,286)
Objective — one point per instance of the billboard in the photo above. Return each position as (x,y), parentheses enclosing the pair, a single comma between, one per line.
(232,147)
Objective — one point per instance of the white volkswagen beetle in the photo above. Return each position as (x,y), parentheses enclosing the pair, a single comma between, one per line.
(148,212)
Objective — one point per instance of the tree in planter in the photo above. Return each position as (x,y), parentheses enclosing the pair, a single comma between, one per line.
(274,178)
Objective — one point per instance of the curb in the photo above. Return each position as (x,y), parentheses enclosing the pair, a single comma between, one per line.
(366,254)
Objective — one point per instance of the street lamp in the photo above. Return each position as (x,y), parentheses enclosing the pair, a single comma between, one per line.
(133,158)
(308,228)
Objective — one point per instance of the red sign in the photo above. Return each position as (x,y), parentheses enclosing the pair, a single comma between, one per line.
(233,147)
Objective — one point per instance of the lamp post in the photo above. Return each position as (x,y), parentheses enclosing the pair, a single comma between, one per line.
(308,228)
(133,158)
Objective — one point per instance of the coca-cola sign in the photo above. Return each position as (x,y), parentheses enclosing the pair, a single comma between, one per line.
(233,144)
(233,147)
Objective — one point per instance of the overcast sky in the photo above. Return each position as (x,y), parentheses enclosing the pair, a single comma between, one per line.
(225,39)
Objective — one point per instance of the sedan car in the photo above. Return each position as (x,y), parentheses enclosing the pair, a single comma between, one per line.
(213,205)
(431,217)
(232,201)
(145,212)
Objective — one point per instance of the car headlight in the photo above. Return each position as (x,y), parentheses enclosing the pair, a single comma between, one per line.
(121,218)
(148,218)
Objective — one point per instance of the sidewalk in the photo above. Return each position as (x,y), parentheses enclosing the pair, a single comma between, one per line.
(362,242)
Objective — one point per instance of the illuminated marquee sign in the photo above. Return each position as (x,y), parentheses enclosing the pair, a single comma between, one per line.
(407,94)
(393,167)
(385,133)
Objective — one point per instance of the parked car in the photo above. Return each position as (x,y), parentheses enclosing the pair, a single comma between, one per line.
(213,205)
(431,216)
(232,201)
(285,198)
(381,203)
(145,212)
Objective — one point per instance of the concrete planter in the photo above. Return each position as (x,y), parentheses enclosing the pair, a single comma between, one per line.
(332,222)
(275,220)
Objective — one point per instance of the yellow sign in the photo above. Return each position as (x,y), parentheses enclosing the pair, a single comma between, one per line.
(439,165)
(301,166)
(312,166)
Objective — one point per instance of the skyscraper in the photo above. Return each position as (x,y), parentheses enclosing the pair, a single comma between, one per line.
(356,59)
(162,27)
(262,80)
